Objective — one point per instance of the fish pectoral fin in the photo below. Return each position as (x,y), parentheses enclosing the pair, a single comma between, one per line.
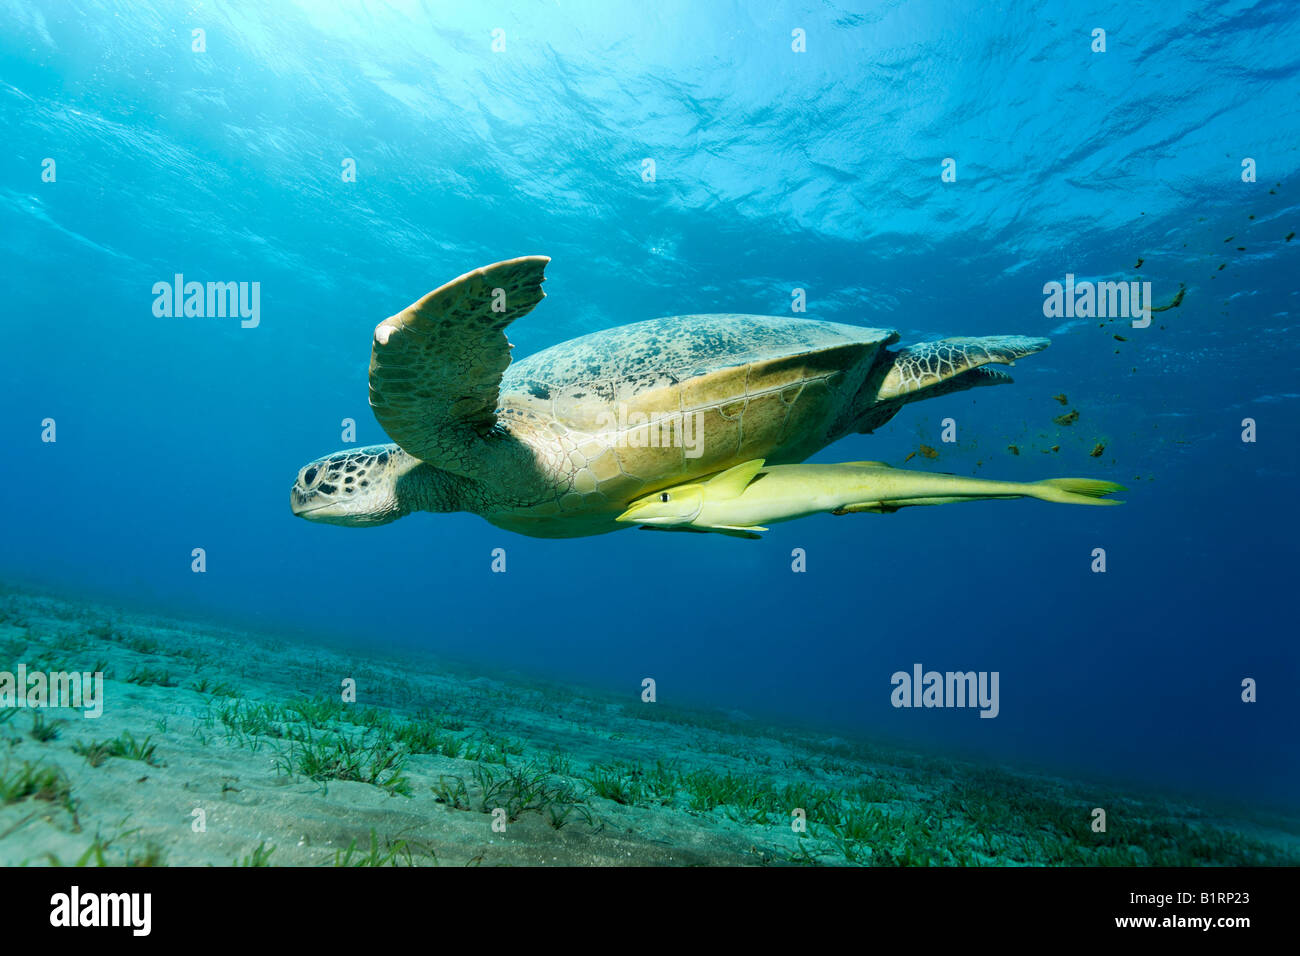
(735,531)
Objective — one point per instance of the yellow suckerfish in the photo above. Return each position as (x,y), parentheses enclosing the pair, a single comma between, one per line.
(745,498)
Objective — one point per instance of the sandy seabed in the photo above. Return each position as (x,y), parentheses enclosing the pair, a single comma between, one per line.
(219,747)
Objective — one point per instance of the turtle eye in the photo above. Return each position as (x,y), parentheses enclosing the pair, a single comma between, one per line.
(665,497)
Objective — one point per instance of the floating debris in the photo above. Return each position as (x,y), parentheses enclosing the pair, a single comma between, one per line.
(1062,399)
(928,452)
(1177,300)
(1241,248)
(1230,238)
(1120,338)
(1098,451)
(910,456)
(1222,266)
(1139,263)
(1069,418)
(1013,449)
(1290,236)
(1056,448)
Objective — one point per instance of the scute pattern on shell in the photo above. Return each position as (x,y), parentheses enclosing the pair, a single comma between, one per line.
(621,361)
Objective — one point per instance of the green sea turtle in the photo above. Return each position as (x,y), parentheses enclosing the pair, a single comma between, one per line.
(558,444)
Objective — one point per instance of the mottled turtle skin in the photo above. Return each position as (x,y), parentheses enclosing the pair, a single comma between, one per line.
(556,445)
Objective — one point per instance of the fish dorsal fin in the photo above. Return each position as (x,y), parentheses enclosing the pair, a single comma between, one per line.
(730,483)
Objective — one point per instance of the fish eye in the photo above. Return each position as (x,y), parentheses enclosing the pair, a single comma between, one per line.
(665,497)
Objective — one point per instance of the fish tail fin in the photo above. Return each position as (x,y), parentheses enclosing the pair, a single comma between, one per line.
(1078,491)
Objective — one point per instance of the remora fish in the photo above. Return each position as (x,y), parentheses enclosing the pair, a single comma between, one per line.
(745,498)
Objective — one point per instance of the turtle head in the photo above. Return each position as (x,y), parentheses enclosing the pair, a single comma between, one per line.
(667,508)
(360,488)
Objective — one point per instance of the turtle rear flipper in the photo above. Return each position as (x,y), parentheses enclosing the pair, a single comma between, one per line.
(436,366)
(950,365)
(931,369)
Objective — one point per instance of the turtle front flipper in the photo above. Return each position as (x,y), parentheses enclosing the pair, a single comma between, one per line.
(436,366)
(951,365)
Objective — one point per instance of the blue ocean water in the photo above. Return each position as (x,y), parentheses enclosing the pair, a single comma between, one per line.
(775,170)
